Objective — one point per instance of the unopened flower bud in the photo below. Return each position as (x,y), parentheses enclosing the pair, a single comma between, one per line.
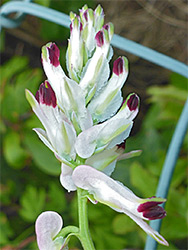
(46,95)
(133,102)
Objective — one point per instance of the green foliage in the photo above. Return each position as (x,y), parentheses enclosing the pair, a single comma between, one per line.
(30,209)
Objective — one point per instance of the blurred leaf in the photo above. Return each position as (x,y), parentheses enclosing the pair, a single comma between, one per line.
(14,103)
(122,224)
(16,64)
(41,155)
(13,152)
(5,229)
(178,81)
(56,198)
(32,203)
(45,3)
(143,180)
(166,93)
(2,41)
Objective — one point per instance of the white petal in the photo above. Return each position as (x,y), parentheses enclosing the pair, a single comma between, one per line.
(43,136)
(106,134)
(109,99)
(104,161)
(70,96)
(66,178)
(47,226)
(86,141)
(105,189)
(100,111)
(150,231)
(95,74)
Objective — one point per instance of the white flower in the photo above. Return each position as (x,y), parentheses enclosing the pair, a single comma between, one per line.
(112,193)
(59,134)
(47,226)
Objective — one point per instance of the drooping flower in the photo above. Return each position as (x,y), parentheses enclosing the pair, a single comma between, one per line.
(47,226)
(113,194)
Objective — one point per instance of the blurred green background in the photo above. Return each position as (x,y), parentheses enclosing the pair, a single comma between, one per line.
(30,172)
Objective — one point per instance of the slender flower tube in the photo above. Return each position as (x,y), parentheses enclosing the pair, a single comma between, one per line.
(108,101)
(47,226)
(59,134)
(97,68)
(113,194)
(88,34)
(75,50)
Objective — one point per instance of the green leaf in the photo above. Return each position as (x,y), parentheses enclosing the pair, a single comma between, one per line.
(42,156)
(122,224)
(32,203)
(45,3)
(56,198)
(143,180)
(178,81)
(16,64)
(14,154)
(5,229)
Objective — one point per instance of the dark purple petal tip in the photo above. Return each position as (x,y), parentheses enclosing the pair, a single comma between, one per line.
(151,210)
(133,102)
(118,66)
(106,26)
(100,38)
(53,54)
(122,145)
(46,95)
(85,14)
(154,213)
(147,205)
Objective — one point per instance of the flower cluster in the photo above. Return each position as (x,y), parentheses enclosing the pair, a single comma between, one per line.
(85,121)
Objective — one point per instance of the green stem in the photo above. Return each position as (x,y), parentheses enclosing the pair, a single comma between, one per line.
(85,236)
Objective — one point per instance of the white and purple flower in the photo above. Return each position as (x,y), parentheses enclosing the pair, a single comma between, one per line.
(85,122)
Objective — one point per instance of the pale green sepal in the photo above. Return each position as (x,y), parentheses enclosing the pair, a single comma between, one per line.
(31,99)
(44,51)
(99,18)
(129,155)
(155,199)
(72,15)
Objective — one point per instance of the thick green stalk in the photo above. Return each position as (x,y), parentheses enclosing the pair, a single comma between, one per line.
(84,234)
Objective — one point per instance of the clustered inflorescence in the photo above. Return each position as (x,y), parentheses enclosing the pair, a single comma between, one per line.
(85,121)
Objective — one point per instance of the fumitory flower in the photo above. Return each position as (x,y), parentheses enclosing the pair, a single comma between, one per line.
(112,193)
